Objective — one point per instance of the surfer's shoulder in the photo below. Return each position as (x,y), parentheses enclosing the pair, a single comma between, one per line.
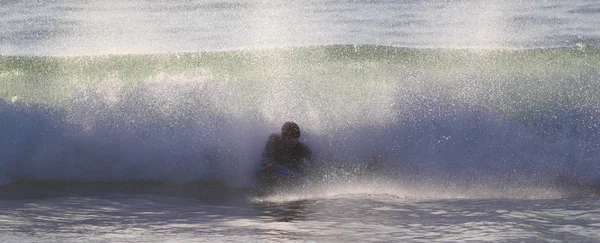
(305,147)
(274,137)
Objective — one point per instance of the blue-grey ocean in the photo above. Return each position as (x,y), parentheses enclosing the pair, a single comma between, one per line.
(429,121)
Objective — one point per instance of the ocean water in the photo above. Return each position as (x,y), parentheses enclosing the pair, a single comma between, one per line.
(430,121)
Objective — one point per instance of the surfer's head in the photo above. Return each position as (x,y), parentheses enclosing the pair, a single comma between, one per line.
(290,130)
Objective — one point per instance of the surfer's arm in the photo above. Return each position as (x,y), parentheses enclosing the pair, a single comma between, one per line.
(268,155)
(268,167)
(306,154)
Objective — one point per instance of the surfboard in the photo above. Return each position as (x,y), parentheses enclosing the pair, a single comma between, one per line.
(280,178)
(279,169)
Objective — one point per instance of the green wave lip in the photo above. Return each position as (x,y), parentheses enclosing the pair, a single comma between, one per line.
(511,81)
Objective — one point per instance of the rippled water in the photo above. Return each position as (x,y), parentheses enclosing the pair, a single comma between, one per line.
(122,214)
(75,27)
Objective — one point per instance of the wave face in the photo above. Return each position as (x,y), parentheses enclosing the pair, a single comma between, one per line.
(448,115)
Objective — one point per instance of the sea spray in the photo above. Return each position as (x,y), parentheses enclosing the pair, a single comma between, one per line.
(463,116)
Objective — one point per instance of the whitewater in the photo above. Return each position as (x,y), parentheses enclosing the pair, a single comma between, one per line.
(429,121)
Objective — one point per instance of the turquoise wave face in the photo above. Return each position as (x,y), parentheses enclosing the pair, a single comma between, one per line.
(452,114)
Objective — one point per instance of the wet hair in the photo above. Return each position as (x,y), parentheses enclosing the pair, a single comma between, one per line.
(290,130)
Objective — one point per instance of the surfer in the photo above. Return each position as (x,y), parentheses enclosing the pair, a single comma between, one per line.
(286,150)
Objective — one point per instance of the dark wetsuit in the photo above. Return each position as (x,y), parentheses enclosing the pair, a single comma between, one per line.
(292,157)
